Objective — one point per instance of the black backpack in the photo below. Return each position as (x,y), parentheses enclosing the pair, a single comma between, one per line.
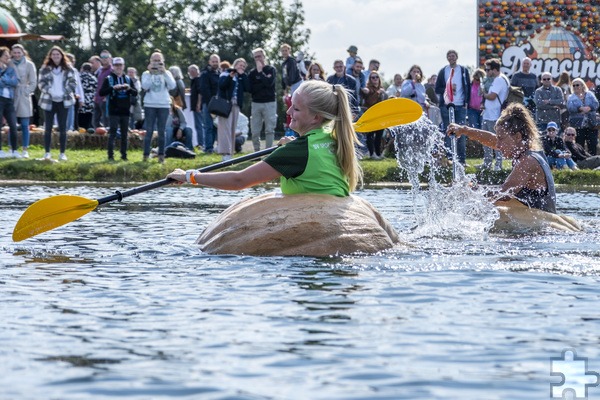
(178,150)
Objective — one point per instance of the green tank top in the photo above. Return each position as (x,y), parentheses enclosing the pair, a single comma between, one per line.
(309,165)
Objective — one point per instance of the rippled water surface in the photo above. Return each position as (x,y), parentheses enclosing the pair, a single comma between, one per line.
(121,305)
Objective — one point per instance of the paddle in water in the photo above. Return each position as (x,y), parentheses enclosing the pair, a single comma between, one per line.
(52,212)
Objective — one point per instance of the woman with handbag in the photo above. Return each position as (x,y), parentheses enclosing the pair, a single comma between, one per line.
(582,106)
(233,82)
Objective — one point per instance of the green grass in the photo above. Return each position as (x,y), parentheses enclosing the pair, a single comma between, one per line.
(93,165)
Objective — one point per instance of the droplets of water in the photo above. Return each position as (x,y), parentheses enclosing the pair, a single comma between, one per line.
(455,211)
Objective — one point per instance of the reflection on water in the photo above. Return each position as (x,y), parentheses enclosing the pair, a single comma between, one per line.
(121,304)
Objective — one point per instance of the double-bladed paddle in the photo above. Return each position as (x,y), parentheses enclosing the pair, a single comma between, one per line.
(52,212)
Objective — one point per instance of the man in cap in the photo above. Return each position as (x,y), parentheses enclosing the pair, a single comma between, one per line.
(118,89)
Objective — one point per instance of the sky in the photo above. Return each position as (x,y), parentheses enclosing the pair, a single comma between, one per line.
(399,33)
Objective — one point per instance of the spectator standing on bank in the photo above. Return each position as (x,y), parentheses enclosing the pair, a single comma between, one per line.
(494,98)
(196,103)
(89,83)
(290,76)
(118,90)
(582,106)
(340,77)
(136,119)
(26,72)
(476,100)
(373,66)
(209,87)
(73,115)
(262,80)
(233,82)
(395,89)
(549,102)
(316,71)
(8,83)
(413,89)
(453,86)
(156,82)
(527,81)
(57,84)
(564,83)
(178,94)
(100,117)
(373,94)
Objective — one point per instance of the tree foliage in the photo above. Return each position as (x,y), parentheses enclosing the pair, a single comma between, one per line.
(186,31)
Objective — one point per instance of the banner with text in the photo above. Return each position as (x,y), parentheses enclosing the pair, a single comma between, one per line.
(558,35)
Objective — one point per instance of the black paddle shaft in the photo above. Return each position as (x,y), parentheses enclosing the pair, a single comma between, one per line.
(118,195)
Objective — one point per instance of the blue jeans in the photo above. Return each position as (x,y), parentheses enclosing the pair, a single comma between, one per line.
(7,110)
(70,118)
(474,118)
(155,117)
(58,109)
(488,152)
(561,163)
(209,130)
(188,138)
(25,129)
(460,117)
(198,125)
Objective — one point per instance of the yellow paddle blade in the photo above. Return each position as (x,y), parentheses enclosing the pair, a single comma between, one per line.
(50,213)
(388,113)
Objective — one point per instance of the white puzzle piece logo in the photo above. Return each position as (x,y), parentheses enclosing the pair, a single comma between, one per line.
(575,377)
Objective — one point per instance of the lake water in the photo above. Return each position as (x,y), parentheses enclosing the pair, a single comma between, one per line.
(121,305)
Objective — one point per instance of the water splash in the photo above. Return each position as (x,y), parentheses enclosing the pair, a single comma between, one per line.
(455,211)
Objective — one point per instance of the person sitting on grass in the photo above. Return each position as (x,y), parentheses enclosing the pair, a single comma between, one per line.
(554,148)
(583,159)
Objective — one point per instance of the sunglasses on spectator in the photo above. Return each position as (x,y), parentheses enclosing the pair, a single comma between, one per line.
(104,56)
(546,79)
(576,85)
(488,69)
(551,129)
(374,77)
(569,134)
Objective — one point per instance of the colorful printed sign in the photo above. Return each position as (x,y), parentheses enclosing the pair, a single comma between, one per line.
(558,35)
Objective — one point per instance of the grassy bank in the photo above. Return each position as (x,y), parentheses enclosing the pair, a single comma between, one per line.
(92,165)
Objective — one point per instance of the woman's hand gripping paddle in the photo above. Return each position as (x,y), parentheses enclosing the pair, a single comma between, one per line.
(52,212)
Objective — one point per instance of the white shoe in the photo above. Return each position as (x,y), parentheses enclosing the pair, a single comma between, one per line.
(226,157)
(48,156)
(25,154)
(3,154)
(15,154)
(62,157)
